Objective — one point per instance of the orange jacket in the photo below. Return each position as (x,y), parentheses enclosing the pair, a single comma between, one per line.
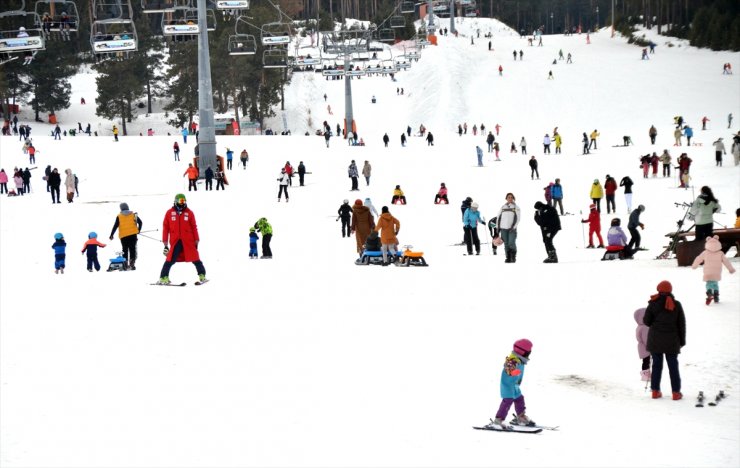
(388,226)
(192,173)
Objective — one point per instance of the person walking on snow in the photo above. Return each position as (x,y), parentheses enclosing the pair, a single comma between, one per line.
(352,173)
(180,238)
(366,172)
(479,153)
(192,174)
(283,179)
(91,248)
(634,223)
(511,380)
(533,166)
(128,225)
(244,157)
(641,333)
(653,133)
(344,213)
(594,227)
(713,258)
(667,335)
(549,222)
(610,189)
(176,150)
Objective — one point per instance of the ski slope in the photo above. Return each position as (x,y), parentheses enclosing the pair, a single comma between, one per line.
(309,360)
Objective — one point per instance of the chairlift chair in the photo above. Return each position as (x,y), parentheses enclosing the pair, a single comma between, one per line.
(232,4)
(275,57)
(191,15)
(157,6)
(277,33)
(180,27)
(407,7)
(386,35)
(20,31)
(242,44)
(112,37)
(398,22)
(56,10)
(112,11)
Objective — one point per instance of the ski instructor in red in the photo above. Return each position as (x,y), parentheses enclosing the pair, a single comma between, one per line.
(180,237)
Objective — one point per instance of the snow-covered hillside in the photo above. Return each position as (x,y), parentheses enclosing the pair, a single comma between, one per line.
(309,360)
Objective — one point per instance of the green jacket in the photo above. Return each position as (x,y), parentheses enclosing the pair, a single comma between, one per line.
(703,212)
(263,226)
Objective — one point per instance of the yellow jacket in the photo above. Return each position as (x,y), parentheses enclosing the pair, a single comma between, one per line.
(597,191)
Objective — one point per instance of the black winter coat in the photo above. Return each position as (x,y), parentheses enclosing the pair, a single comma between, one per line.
(667,328)
(55,180)
(345,211)
(547,218)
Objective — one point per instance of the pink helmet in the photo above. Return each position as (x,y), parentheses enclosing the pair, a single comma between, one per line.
(523,347)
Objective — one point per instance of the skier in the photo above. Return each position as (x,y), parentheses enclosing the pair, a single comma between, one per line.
(60,247)
(91,247)
(632,226)
(713,258)
(115,133)
(352,173)
(441,196)
(533,166)
(549,222)
(388,227)
(283,183)
(610,188)
(301,173)
(597,193)
(594,227)
(180,238)
(345,213)
(719,150)
(128,225)
(508,221)
(471,219)
(262,226)
(361,224)
(479,153)
(511,380)
(641,333)
(667,335)
(702,213)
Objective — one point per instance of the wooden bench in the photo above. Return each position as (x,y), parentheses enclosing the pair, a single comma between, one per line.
(687,250)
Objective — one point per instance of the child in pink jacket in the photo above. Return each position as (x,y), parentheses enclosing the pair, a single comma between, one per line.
(713,259)
(641,333)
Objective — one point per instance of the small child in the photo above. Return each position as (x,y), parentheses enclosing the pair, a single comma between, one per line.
(91,247)
(641,333)
(59,247)
(513,148)
(511,379)
(685,179)
(713,259)
(253,238)
(372,243)
(594,227)
(496,149)
(493,229)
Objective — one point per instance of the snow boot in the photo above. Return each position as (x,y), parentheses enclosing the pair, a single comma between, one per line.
(508,256)
(657,394)
(552,257)
(513,256)
(590,246)
(710,296)
(716,295)
(677,395)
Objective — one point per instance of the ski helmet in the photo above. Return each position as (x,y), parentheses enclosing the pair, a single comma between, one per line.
(58,236)
(180,199)
(523,347)
(345,201)
(251,229)
(474,206)
(92,235)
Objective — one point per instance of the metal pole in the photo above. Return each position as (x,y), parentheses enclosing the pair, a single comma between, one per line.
(348,117)
(452,16)
(613,18)
(207,135)
(430,18)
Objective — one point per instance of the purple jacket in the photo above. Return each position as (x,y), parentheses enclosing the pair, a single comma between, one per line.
(641,333)
(616,236)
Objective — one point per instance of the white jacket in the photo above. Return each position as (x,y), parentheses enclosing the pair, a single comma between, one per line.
(284,178)
(509,216)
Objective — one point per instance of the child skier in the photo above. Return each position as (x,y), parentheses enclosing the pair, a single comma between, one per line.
(713,259)
(253,238)
(59,247)
(641,333)
(91,247)
(511,379)
(594,227)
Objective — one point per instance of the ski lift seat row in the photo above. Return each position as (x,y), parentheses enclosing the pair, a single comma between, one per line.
(276,57)
(58,14)
(386,35)
(242,44)
(407,7)
(232,4)
(398,22)
(157,6)
(113,37)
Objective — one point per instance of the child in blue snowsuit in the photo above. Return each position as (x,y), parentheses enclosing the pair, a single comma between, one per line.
(253,238)
(511,379)
(91,247)
(59,247)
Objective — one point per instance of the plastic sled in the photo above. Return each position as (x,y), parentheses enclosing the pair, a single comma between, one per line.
(118,263)
(374,257)
(614,252)
(410,258)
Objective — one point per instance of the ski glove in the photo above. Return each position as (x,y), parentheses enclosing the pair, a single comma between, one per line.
(166,250)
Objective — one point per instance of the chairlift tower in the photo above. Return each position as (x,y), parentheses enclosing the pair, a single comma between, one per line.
(207,135)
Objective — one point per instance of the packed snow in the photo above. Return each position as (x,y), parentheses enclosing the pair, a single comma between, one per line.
(310,360)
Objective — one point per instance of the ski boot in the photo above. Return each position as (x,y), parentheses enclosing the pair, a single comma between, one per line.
(710,296)
(202,278)
(716,296)
(499,423)
(523,420)
(164,280)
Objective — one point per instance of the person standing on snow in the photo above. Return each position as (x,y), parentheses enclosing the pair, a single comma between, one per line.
(594,135)
(128,225)
(479,153)
(556,192)
(597,193)
(180,238)
(301,173)
(345,213)
(610,189)
(388,227)
(192,174)
(508,221)
(533,166)
(361,224)
(386,140)
(69,185)
(262,226)
(634,223)
(584,140)
(366,172)
(352,173)
(176,150)
(471,219)
(283,182)
(184,133)
(523,145)
(489,140)
(549,222)
(653,133)
(719,150)
(511,380)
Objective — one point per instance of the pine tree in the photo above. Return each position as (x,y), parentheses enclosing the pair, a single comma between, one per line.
(119,85)
(49,75)
(182,79)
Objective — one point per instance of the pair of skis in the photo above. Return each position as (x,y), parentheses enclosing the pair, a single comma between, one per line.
(700,399)
(514,426)
(197,283)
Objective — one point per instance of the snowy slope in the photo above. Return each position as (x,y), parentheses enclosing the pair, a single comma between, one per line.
(309,360)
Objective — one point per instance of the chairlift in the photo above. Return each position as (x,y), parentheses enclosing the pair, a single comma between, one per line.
(191,15)
(398,22)
(20,32)
(232,4)
(355,72)
(402,62)
(242,44)
(275,33)
(108,37)
(373,69)
(112,10)
(388,66)
(302,61)
(275,57)
(413,55)
(5,58)
(157,6)
(407,7)
(58,16)
(386,35)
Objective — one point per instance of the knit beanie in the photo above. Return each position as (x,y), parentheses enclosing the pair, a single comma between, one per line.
(124,206)
(665,289)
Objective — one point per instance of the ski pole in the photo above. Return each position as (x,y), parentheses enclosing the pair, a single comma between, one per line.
(149,237)
(487,234)
(583,235)
(150,230)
